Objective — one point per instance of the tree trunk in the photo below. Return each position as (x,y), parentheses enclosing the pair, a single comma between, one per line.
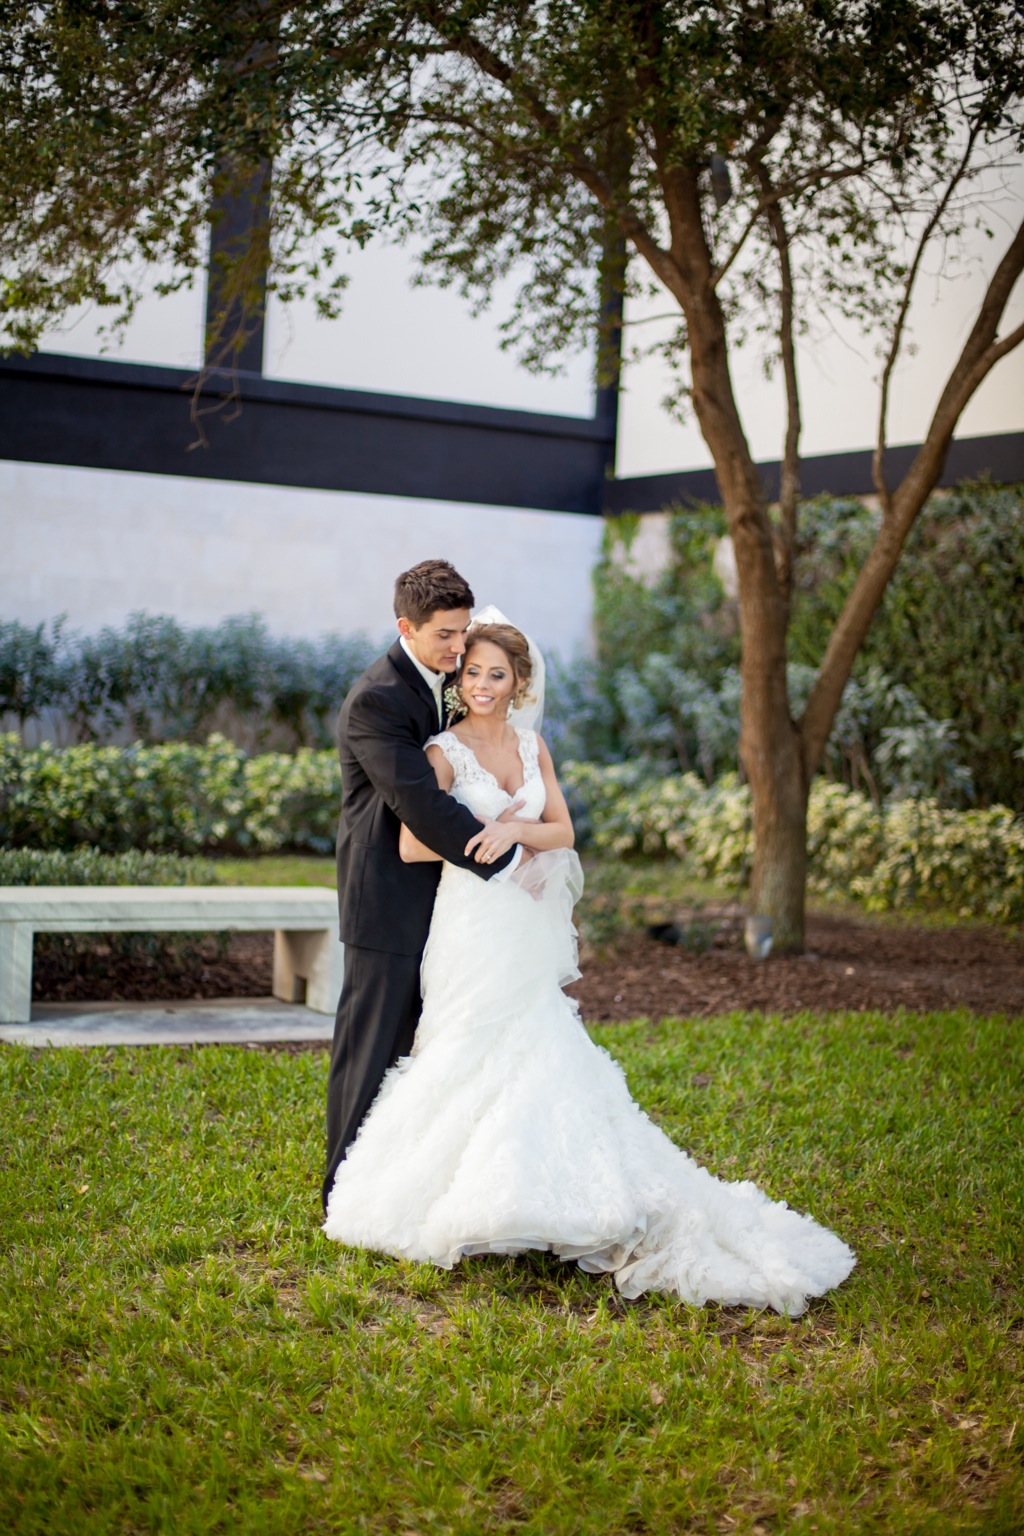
(770,745)
(779,881)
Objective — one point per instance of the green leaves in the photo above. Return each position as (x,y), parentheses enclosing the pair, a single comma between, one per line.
(488,128)
(911,853)
(963,661)
(88,866)
(161,680)
(176,798)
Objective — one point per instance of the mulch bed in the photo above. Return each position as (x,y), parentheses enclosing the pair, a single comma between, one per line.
(850,965)
(94,970)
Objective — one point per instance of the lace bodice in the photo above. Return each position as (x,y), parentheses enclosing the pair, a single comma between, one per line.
(476,787)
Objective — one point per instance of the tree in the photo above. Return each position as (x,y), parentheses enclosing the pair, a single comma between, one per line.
(755,160)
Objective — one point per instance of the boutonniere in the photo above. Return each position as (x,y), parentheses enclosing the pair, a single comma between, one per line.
(454,707)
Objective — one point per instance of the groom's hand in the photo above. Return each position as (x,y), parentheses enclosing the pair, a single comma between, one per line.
(510,810)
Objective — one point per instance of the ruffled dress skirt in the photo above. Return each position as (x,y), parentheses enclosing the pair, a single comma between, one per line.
(508,1129)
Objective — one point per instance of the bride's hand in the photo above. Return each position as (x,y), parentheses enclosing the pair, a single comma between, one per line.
(493,839)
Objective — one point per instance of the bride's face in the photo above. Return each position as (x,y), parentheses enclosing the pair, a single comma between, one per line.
(487,680)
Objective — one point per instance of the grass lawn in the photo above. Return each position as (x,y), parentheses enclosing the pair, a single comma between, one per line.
(181,1352)
(640,877)
(278,869)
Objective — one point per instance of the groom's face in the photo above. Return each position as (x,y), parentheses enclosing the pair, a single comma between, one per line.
(440,640)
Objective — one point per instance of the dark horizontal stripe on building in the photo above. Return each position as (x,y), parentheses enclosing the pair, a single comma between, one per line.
(103,414)
(1000,458)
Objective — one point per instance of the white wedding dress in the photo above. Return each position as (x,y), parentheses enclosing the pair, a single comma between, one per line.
(507,1128)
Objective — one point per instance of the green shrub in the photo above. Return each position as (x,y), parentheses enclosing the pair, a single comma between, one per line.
(936,705)
(177,798)
(968,862)
(911,853)
(184,800)
(30,668)
(160,680)
(963,659)
(682,613)
(88,866)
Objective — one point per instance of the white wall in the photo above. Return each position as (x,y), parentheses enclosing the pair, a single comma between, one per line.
(98,544)
(416,341)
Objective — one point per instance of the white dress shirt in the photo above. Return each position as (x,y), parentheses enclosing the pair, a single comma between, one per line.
(435,681)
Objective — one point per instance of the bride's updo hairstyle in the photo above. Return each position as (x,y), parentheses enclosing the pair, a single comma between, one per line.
(514,643)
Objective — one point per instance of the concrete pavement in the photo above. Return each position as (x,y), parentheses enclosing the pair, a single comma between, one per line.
(223,1022)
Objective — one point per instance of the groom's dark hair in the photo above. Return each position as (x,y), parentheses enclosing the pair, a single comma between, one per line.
(431,585)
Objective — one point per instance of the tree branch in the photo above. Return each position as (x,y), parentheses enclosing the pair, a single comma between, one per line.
(878,459)
(723,267)
(582,165)
(980,353)
(777,195)
(789,474)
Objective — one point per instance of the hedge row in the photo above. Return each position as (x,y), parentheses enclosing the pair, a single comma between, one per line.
(88,866)
(174,798)
(187,799)
(912,852)
(160,680)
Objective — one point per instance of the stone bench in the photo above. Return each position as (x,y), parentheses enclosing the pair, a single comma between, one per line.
(308,958)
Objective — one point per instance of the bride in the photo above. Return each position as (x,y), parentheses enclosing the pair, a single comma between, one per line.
(507,1128)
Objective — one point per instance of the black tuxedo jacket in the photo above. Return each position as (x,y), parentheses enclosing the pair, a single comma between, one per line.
(385,780)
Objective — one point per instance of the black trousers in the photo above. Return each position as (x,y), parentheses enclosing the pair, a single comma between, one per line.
(375,1025)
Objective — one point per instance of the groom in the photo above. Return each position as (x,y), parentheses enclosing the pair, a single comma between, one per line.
(386,905)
